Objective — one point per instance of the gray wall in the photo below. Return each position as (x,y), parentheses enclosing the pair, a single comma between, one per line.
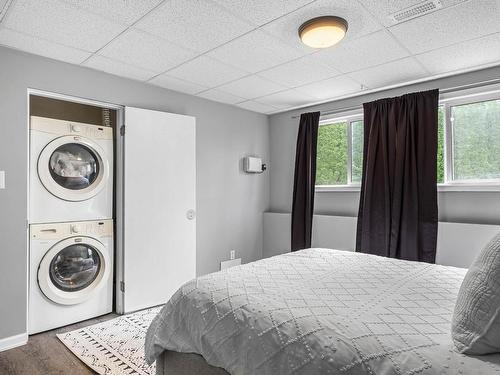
(466,207)
(229,202)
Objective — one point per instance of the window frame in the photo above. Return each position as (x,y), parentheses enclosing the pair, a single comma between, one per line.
(449,184)
(349,118)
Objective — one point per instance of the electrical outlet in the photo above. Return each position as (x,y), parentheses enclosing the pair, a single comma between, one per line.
(232,254)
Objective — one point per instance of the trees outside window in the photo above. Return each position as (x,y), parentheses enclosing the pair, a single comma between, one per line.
(476,141)
(340,153)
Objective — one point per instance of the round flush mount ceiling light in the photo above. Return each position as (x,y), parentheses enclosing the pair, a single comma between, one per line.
(323,32)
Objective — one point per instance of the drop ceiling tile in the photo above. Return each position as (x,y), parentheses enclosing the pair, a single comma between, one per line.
(464,55)
(251,87)
(146,51)
(194,24)
(360,21)
(172,83)
(286,99)
(331,88)
(361,53)
(117,68)
(299,72)
(382,9)
(396,72)
(62,23)
(257,107)
(127,11)
(206,72)
(260,12)
(41,47)
(220,96)
(448,26)
(255,51)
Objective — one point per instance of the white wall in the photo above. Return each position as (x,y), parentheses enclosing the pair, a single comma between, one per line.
(458,244)
(465,207)
(229,202)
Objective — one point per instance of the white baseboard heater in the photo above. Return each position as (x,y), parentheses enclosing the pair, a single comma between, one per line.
(458,243)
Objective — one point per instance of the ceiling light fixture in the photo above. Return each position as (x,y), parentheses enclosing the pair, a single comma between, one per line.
(323,32)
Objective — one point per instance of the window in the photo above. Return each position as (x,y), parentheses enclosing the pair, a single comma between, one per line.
(468,146)
(340,152)
(357,151)
(475,130)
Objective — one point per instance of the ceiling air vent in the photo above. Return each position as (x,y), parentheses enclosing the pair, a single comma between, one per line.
(415,11)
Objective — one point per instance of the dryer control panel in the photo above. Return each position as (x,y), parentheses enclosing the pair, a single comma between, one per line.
(49,125)
(54,231)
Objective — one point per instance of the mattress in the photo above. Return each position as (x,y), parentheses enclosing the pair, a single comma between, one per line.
(319,311)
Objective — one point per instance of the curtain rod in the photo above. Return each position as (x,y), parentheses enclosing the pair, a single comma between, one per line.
(443,91)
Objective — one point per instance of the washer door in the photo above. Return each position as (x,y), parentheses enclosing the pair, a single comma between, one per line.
(73,270)
(73,168)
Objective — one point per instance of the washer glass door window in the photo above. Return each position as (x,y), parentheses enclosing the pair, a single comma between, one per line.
(73,168)
(75,267)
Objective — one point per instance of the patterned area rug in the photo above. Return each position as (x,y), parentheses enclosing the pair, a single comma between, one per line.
(115,346)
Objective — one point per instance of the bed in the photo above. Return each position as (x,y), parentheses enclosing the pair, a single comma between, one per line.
(315,311)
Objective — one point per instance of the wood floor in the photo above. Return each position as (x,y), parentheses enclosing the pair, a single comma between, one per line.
(46,355)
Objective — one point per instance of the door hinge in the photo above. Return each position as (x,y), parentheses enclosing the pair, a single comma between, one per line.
(122,130)
(122,286)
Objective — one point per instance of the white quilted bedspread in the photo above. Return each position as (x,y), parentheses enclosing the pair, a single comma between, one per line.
(320,311)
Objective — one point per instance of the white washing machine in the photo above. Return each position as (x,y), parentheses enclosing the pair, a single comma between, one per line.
(71,171)
(71,268)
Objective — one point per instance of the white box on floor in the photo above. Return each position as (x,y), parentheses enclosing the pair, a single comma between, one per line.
(230,263)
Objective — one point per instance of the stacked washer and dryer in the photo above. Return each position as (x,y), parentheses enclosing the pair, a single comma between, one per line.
(71,222)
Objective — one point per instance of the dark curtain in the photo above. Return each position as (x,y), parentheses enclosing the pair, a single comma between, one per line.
(398,203)
(304,181)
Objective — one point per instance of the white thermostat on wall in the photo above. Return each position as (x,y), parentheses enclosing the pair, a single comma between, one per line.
(253,165)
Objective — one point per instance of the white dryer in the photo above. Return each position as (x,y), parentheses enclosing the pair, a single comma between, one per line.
(71,268)
(71,171)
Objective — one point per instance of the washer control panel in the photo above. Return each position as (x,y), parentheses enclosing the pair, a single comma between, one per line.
(54,231)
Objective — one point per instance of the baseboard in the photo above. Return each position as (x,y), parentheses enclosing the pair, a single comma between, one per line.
(13,341)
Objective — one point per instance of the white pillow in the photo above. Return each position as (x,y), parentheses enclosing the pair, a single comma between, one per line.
(476,320)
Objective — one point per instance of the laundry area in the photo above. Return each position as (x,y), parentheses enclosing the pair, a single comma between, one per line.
(71,212)
(79,266)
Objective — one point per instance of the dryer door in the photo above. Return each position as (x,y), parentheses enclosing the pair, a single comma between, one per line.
(73,168)
(73,270)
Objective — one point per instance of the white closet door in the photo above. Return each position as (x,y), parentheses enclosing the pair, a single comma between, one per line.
(159,225)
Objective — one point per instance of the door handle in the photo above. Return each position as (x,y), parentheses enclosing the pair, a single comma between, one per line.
(191,214)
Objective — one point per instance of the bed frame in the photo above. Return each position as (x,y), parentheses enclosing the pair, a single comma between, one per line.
(175,363)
